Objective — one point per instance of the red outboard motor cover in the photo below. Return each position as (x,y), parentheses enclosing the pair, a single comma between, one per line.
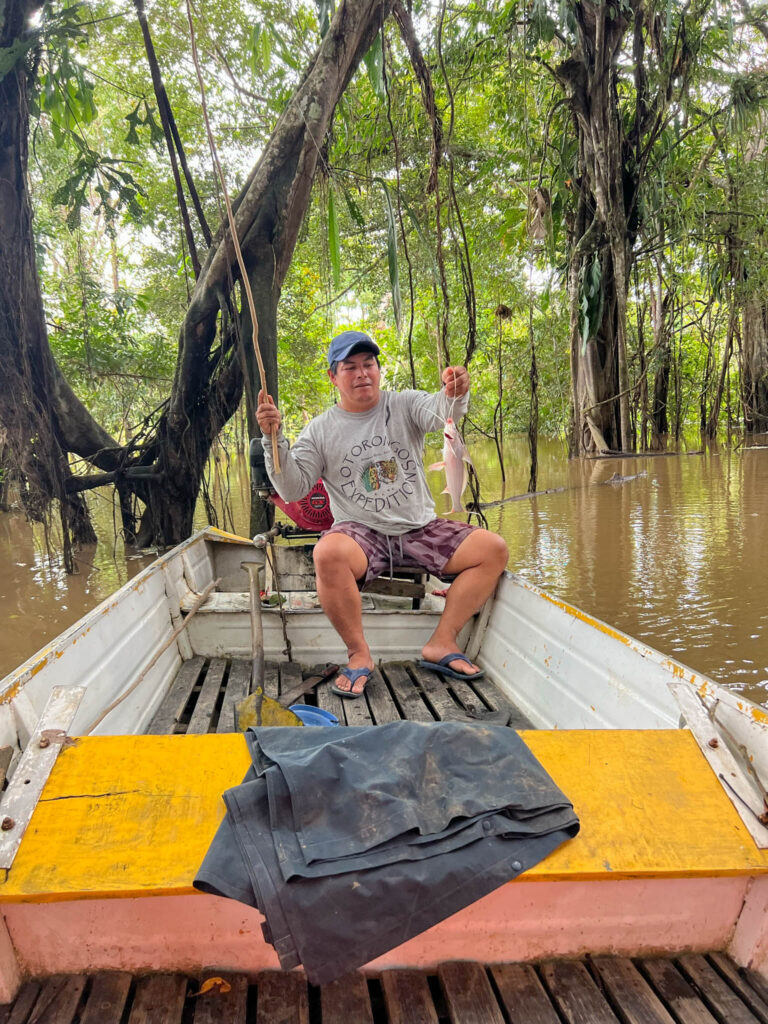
(312,512)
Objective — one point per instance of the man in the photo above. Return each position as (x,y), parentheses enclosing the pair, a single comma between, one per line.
(368,450)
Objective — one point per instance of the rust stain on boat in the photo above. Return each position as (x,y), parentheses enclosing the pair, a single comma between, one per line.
(11,692)
(678,670)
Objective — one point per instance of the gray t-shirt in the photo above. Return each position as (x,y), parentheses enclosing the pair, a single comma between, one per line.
(370,462)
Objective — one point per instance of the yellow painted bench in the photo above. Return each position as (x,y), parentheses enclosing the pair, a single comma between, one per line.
(126,816)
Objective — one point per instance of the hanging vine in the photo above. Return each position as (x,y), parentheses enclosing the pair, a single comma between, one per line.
(462,249)
(405,24)
(403,234)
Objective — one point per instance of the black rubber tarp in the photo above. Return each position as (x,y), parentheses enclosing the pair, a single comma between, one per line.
(352,840)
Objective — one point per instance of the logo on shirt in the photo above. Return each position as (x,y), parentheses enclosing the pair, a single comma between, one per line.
(384,484)
(376,474)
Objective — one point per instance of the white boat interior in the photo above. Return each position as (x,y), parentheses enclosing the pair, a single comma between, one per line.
(662,863)
(562,668)
(547,663)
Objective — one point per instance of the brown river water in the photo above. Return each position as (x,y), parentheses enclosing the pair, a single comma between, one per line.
(674,553)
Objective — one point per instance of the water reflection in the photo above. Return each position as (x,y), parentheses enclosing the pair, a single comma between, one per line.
(37,598)
(675,558)
(671,553)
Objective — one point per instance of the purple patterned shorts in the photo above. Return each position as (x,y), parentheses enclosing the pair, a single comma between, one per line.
(429,547)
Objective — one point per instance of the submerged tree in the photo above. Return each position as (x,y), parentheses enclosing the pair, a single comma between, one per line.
(620,106)
(163,466)
(33,390)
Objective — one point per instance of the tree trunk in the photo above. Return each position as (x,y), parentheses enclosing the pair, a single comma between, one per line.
(754,363)
(268,214)
(661,305)
(34,441)
(601,234)
(710,428)
(42,415)
(594,367)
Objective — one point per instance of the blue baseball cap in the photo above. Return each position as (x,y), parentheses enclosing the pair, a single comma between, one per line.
(348,342)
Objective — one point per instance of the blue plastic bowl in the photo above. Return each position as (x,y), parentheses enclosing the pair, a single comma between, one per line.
(313,716)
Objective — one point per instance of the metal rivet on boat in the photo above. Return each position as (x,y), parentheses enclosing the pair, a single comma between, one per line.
(714,742)
(44,742)
(7,824)
(516,865)
(487,826)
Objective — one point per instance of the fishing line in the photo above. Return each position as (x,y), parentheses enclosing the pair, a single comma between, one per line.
(245,283)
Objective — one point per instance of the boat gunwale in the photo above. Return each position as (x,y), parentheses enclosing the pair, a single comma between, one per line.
(703,684)
(10,684)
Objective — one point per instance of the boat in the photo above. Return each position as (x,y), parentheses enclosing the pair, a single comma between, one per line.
(119,739)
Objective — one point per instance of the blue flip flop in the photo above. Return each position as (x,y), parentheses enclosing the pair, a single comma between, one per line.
(352,674)
(442,667)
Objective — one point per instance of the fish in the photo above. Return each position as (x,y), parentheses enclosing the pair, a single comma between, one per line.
(455,461)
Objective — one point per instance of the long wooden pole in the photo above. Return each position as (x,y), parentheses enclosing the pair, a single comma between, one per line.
(232,229)
(257,636)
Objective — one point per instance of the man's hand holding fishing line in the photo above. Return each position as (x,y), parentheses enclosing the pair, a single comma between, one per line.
(367,448)
(455,381)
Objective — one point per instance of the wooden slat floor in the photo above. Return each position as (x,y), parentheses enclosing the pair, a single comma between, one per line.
(692,989)
(203,696)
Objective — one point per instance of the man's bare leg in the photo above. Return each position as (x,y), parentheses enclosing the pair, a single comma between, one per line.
(339,563)
(479,561)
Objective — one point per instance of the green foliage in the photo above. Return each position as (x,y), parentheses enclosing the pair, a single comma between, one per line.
(394,272)
(325,9)
(103,193)
(591,299)
(374,62)
(135,119)
(110,350)
(56,29)
(333,240)
(11,56)
(109,181)
(260,48)
(541,26)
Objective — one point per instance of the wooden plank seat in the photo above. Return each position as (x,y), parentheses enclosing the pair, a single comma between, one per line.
(295,573)
(604,991)
(404,583)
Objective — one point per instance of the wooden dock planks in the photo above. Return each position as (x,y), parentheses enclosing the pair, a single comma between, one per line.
(725,1004)
(522,995)
(107,999)
(346,1001)
(204,694)
(171,711)
(205,706)
(238,686)
(575,994)
(225,1002)
(626,988)
(468,993)
(604,990)
(281,997)
(408,998)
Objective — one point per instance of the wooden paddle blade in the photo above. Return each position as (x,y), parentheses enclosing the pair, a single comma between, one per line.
(247,713)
